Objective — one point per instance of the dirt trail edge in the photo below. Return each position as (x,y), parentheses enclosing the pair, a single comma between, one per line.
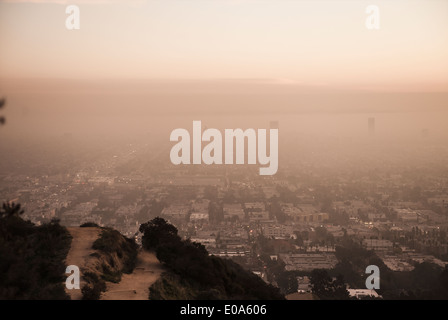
(79,252)
(135,286)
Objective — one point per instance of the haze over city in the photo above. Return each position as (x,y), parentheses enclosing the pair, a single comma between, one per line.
(361,116)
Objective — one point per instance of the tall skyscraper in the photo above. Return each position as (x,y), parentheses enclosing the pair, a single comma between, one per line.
(371,126)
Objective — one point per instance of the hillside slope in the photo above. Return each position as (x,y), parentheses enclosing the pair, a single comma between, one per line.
(80,253)
(31,258)
(193,274)
(135,286)
(110,265)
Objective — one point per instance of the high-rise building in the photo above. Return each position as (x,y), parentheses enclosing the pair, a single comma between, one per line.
(371,126)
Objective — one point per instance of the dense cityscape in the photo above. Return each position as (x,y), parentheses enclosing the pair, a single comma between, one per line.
(325,210)
(227,156)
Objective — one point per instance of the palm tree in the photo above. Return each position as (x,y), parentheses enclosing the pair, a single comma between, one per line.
(11,209)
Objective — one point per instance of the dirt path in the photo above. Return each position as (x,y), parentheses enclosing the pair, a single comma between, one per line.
(135,286)
(79,252)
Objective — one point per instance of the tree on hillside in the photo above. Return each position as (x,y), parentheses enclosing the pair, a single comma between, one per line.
(11,209)
(287,282)
(156,232)
(443,282)
(327,288)
(31,257)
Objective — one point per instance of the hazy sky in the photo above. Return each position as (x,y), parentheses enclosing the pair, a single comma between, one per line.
(306,42)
